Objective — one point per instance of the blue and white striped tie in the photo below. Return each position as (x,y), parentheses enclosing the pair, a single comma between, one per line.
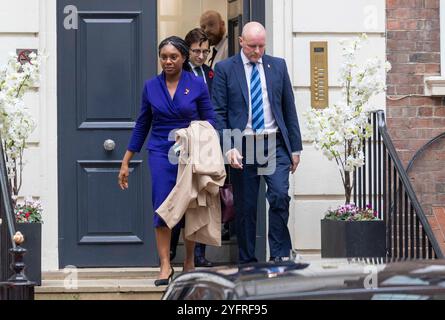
(256,96)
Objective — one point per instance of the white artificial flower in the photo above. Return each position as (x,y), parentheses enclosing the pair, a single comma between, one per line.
(16,123)
(339,130)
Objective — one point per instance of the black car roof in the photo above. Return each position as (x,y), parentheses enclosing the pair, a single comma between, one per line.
(266,279)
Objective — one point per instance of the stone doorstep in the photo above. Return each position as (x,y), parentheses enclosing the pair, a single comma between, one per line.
(104,280)
(100,286)
(125,289)
(224,255)
(138,273)
(98,296)
(101,289)
(106,273)
(103,284)
(115,283)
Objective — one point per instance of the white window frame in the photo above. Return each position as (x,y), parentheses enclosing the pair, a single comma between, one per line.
(435,85)
(442,37)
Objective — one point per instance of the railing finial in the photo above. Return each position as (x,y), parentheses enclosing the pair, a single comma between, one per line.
(18,265)
(18,238)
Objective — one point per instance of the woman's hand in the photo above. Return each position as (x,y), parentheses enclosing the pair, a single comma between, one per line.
(125,171)
(123,176)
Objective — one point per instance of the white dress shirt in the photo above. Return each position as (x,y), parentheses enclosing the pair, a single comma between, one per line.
(196,73)
(269,119)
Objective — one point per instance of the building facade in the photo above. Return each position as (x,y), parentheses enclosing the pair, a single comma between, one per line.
(92,71)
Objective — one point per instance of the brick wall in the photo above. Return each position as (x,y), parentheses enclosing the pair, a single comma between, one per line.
(413,48)
(428,176)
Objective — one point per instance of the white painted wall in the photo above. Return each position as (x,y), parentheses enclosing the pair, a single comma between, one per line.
(19,17)
(47,176)
(32,24)
(292,25)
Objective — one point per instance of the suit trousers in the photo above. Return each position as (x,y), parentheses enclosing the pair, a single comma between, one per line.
(267,157)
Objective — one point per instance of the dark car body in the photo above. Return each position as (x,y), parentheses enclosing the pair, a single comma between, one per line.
(335,279)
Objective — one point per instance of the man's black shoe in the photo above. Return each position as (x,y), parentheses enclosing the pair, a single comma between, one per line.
(276,259)
(225,234)
(202,262)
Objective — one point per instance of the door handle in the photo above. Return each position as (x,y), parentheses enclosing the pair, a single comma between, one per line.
(109,145)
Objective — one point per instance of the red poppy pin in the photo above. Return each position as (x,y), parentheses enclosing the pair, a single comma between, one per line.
(211,74)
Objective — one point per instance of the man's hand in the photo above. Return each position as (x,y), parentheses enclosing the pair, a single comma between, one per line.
(235,159)
(295,163)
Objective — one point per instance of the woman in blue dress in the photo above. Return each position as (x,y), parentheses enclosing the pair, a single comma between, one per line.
(170,101)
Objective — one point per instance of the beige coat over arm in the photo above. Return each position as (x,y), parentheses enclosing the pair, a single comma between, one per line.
(201,173)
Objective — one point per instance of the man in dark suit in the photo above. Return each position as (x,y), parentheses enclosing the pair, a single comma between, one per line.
(252,95)
(199,45)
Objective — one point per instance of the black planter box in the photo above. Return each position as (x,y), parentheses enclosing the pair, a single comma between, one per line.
(352,239)
(33,245)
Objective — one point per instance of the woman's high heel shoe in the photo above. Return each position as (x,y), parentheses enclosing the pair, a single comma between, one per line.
(165,282)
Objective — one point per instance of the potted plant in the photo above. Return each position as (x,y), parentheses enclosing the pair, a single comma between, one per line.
(339,131)
(28,217)
(16,125)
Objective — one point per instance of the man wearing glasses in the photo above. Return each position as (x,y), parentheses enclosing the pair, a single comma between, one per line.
(199,45)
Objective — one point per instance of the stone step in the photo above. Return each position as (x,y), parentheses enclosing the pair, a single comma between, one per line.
(131,296)
(101,284)
(105,289)
(226,254)
(104,273)
(110,283)
(120,283)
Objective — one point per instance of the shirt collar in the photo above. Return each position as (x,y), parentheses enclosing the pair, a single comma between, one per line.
(192,65)
(246,60)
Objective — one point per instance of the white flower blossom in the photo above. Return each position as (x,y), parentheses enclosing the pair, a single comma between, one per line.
(339,130)
(16,122)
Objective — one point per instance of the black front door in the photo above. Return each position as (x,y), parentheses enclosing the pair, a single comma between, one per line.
(106,49)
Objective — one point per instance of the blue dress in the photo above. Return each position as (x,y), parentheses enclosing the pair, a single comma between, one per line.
(162,114)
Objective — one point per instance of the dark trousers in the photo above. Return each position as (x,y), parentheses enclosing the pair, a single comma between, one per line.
(245,187)
(200,249)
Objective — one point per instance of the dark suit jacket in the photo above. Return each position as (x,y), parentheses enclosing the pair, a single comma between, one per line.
(230,98)
(209,74)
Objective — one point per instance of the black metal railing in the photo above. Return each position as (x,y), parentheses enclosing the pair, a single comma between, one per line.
(14,284)
(7,226)
(384,184)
